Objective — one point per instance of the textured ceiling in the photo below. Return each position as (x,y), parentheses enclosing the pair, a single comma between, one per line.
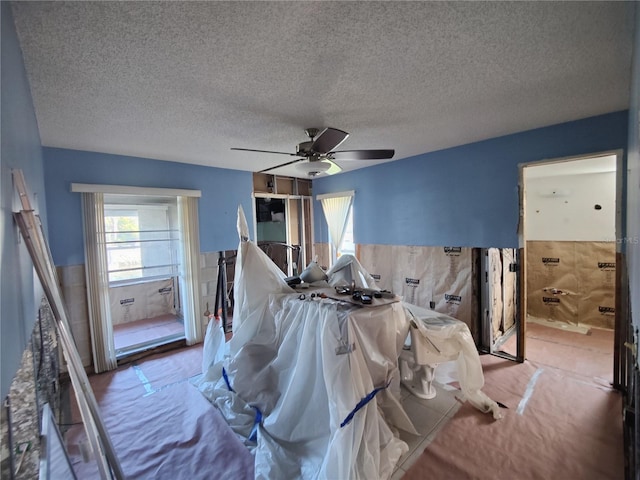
(186,81)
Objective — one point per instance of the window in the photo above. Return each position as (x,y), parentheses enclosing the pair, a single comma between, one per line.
(347,246)
(337,208)
(123,250)
(141,240)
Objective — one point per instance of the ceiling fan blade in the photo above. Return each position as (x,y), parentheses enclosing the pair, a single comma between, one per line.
(362,154)
(327,140)
(282,165)
(264,151)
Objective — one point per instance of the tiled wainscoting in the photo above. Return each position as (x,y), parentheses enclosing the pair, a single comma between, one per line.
(74,288)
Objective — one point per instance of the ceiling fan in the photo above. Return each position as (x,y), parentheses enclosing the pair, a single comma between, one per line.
(319,152)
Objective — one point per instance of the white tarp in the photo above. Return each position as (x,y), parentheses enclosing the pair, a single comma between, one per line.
(450,339)
(250,308)
(303,370)
(311,385)
(347,269)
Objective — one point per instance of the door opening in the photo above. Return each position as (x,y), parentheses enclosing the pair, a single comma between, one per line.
(142,236)
(283,230)
(569,226)
(142,261)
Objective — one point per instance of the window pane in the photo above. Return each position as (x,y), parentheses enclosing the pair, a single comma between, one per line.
(122,256)
(140,242)
(347,245)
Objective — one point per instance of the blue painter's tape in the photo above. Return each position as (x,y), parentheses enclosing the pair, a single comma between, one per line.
(258,418)
(226,380)
(256,422)
(362,403)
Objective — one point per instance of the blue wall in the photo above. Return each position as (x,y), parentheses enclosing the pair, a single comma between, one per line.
(20,149)
(463,196)
(222,191)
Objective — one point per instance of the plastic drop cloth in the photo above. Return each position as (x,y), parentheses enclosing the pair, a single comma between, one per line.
(311,386)
(446,339)
(289,381)
(256,277)
(347,269)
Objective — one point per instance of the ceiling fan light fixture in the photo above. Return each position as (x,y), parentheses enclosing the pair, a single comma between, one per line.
(314,168)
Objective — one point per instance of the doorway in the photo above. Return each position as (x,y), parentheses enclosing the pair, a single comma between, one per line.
(569,226)
(283,230)
(143,269)
(142,264)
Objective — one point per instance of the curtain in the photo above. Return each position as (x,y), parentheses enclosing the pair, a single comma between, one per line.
(336,211)
(104,355)
(190,275)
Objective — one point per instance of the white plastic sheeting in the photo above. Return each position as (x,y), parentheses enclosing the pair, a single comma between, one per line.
(311,385)
(446,339)
(439,278)
(347,269)
(305,389)
(256,277)
(289,388)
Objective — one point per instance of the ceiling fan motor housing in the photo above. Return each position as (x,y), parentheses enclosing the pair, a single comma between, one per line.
(304,149)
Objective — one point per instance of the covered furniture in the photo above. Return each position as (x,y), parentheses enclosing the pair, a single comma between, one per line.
(309,380)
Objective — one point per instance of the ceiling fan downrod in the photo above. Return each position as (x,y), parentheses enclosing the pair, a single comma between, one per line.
(311,132)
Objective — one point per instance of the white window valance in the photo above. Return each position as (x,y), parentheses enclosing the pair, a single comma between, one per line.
(348,193)
(128,190)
